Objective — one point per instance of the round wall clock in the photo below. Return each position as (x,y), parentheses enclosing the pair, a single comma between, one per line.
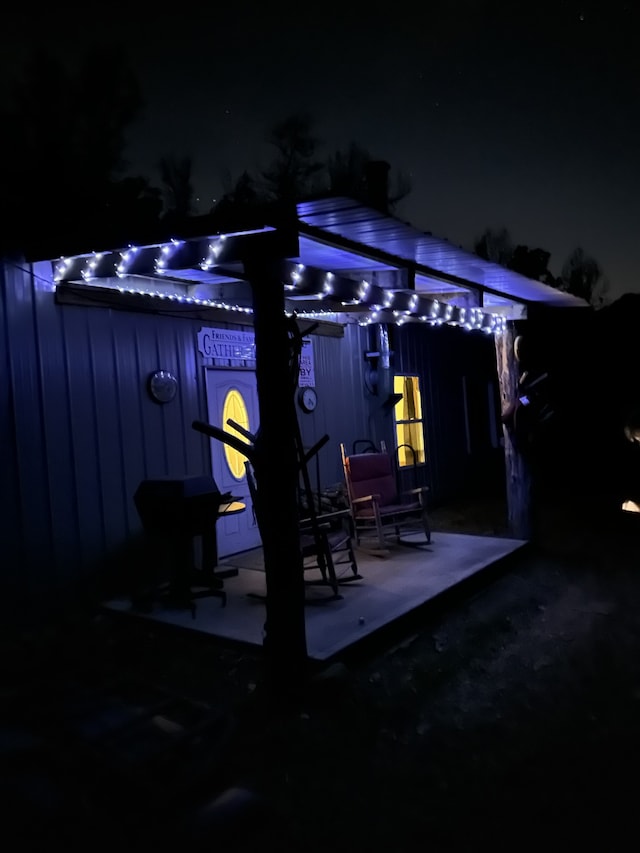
(163,386)
(307,399)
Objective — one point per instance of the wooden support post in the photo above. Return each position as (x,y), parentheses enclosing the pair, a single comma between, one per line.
(518,473)
(277,480)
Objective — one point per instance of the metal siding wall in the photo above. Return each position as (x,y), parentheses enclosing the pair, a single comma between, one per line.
(442,357)
(32,497)
(85,433)
(10,516)
(342,410)
(451,437)
(86,430)
(57,436)
(131,438)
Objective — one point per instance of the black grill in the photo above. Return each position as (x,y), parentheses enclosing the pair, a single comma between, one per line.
(173,511)
(187,506)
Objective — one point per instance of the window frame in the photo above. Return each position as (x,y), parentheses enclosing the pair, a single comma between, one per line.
(412,421)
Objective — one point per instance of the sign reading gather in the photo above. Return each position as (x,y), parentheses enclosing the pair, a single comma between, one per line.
(235,348)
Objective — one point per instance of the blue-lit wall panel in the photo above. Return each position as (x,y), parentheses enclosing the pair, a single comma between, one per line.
(79,430)
(457,371)
(342,411)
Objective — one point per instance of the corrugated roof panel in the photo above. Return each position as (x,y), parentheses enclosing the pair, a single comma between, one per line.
(372,229)
(314,253)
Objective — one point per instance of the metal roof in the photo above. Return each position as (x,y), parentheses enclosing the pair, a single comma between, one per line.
(343,258)
(316,253)
(387,238)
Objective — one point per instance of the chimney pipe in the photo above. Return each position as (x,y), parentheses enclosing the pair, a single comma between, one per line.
(377,175)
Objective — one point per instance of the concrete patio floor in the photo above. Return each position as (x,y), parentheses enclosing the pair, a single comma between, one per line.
(390,588)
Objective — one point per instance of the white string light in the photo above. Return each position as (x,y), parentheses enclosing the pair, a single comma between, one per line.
(90,267)
(214,251)
(488,323)
(470,319)
(296,274)
(62,268)
(190,300)
(166,253)
(327,287)
(125,260)
(363,290)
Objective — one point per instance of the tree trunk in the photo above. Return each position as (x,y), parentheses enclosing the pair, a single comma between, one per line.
(518,473)
(276,470)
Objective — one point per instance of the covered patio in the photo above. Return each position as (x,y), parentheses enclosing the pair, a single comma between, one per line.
(390,589)
(344,274)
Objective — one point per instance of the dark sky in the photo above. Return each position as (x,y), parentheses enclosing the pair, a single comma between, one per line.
(524,115)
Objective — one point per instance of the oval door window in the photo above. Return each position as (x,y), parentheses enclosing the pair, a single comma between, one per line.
(234,407)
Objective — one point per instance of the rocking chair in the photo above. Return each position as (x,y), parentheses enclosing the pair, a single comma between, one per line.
(378,510)
(325,543)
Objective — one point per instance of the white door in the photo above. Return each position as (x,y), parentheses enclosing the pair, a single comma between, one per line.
(233,394)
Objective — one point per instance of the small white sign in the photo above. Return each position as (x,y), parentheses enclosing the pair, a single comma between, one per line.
(307,374)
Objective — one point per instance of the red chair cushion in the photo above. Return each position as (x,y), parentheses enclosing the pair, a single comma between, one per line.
(372,474)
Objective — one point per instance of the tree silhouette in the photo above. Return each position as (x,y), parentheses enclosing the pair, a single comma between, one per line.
(582,276)
(176,174)
(242,202)
(244,193)
(401,187)
(495,245)
(291,174)
(63,149)
(534,263)
(298,171)
(348,172)
(130,201)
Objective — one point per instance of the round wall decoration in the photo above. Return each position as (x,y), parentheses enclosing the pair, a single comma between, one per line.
(307,399)
(163,386)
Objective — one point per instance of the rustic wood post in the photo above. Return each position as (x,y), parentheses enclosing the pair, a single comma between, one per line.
(518,473)
(276,470)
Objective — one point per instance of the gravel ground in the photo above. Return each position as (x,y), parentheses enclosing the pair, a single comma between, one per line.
(508,720)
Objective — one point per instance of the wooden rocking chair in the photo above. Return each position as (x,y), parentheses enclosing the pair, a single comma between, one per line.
(325,542)
(378,510)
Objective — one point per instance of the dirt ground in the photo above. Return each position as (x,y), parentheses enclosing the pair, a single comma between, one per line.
(506,721)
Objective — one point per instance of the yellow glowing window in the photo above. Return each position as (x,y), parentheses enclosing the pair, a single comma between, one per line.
(408,417)
(234,407)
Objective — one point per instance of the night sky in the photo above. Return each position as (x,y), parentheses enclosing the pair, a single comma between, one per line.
(524,115)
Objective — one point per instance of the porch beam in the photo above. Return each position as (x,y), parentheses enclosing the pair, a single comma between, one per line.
(204,253)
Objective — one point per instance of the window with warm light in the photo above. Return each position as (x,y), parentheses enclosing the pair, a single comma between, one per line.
(408,417)
(235,408)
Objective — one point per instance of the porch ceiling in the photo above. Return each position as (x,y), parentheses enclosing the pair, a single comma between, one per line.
(357,226)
